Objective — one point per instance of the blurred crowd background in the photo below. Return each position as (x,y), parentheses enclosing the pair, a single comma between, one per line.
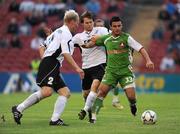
(22,25)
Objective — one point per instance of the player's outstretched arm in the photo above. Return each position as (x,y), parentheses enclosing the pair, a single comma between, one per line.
(71,61)
(91,43)
(149,63)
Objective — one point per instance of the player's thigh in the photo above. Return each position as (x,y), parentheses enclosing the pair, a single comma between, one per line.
(127,81)
(48,72)
(110,79)
(98,71)
(58,82)
(95,84)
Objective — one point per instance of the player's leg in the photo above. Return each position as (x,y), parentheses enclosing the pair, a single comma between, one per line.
(31,100)
(59,106)
(130,93)
(44,80)
(96,73)
(90,101)
(86,85)
(64,93)
(128,84)
(109,80)
(92,95)
(102,92)
(116,101)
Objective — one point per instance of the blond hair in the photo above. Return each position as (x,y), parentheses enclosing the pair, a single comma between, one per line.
(70,15)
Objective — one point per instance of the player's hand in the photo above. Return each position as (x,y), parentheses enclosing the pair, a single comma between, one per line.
(80,72)
(94,38)
(150,64)
(84,46)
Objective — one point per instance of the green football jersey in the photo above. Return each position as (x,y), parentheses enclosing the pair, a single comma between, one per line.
(119,53)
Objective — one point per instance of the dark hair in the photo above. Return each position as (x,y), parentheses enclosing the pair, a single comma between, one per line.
(88,15)
(114,19)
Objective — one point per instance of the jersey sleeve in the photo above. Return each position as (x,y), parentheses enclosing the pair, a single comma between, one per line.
(134,44)
(66,43)
(48,40)
(76,40)
(100,41)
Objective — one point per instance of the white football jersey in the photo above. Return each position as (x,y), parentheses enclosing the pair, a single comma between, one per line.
(59,42)
(91,56)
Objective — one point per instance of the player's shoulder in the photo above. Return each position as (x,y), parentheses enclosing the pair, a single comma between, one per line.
(59,30)
(126,34)
(101,28)
(64,32)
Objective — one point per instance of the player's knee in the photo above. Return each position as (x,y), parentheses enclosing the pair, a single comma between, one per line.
(64,92)
(47,92)
(102,93)
(68,94)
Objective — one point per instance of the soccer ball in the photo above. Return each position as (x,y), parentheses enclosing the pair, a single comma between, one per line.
(149,117)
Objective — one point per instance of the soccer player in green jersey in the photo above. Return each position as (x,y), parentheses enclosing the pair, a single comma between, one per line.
(119,47)
(115,101)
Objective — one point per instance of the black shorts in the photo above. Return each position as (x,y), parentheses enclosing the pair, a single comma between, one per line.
(96,72)
(49,74)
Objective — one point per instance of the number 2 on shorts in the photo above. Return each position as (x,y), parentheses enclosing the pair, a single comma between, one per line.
(50,80)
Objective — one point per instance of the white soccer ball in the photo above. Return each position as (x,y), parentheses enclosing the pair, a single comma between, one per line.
(149,117)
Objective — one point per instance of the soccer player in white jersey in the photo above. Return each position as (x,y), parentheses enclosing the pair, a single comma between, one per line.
(93,62)
(115,101)
(56,47)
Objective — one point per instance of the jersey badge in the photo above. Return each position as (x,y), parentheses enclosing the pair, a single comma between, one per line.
(122,45)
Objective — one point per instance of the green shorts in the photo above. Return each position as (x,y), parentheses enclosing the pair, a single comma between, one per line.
(125,77)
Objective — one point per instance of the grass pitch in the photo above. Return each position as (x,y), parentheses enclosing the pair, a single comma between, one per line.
(110,120)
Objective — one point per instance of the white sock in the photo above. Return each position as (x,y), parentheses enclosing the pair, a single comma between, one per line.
(90,100)
(32,99)
(115,99)
(59,107)
(93,116)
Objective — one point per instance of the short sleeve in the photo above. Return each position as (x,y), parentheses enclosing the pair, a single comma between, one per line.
(65,46)
(134,44)
(77,40)
(66,43)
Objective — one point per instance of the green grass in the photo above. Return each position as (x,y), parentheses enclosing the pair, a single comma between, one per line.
(110,121)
